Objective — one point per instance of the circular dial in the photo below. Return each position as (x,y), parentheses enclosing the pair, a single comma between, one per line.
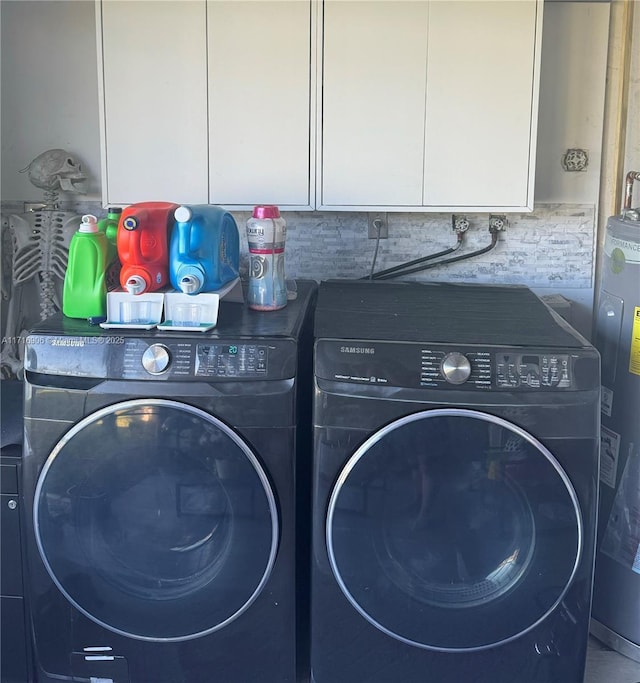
(156,359)
(455,368)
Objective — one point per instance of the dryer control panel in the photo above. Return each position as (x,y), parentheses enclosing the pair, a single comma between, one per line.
(485,369)
(444,366)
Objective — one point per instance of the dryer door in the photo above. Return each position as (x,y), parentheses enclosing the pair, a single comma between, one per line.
(156,520)
(453,530)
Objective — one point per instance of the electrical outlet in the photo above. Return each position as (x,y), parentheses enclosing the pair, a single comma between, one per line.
(378,226)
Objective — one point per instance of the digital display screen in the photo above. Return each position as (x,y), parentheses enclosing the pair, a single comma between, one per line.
(231,360)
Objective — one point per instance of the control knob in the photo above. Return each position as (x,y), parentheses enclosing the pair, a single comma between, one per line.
(156,359)
(455,368)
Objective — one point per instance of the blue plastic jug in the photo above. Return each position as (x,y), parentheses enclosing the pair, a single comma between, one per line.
(204,249)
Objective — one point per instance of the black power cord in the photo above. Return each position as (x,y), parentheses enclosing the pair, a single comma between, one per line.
(377,224)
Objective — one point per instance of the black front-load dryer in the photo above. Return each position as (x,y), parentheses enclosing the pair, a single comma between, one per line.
(455,486)
(159,476)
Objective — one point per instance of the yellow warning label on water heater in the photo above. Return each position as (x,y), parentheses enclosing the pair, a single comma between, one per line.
(634,356)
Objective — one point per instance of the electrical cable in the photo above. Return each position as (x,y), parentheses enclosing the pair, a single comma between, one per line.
(382,274)
(462,257)
(377,224)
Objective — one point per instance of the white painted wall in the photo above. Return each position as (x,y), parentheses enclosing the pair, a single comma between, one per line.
(49,90)
(572,89)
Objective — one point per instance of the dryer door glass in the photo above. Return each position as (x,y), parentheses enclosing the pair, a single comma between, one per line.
(156,520)
(453,530)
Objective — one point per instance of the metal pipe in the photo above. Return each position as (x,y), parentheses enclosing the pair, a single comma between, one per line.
(628,188)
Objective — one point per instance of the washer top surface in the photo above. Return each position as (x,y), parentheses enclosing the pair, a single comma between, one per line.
(245,344)
(234,320)
(439,312)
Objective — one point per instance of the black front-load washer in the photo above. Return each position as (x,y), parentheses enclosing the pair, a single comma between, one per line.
(455,486)
(159,478)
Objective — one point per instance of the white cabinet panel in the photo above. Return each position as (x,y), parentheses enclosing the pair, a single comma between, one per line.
(373,95)
(154,103)
(429,104)
(260,102)
(479,123)
(206,101)
(421,104)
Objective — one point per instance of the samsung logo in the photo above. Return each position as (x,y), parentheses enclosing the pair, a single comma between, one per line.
(368,350)
(67,342)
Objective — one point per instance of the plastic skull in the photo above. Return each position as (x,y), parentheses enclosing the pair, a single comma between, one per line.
(56,169)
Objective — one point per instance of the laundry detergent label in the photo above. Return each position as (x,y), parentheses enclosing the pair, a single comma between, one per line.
(634,356)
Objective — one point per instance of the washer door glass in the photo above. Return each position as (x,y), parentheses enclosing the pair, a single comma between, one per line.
(453,530)
(156,520)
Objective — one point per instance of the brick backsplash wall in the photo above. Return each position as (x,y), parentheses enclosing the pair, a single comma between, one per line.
(551,248)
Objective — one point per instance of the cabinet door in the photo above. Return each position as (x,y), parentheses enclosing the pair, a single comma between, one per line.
(154,108)
(373,98)
(429,104)
(480,122)
(260,102)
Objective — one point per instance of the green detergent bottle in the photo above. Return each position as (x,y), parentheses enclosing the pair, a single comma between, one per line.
(109,226)
(85,294)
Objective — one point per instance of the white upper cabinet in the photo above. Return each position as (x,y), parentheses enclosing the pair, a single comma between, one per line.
(260,102)
(428,105)
(153,101)
(396,105)
(481,106)
(373,93)
(206,102)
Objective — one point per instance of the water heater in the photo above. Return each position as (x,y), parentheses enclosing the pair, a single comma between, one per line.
(616,597)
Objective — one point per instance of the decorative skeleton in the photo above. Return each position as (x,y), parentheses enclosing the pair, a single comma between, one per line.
(39,247)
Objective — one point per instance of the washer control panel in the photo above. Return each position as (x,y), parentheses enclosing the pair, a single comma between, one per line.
(412,364)
(189,357)
(210,359)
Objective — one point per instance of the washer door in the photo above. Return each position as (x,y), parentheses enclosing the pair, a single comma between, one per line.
(453,530)
(156,520)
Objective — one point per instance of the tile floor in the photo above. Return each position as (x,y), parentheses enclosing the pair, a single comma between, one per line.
(605,665)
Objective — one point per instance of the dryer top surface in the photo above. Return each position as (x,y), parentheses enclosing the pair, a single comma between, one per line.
(510,315)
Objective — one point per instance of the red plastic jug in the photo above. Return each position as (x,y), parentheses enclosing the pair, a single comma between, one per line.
(143,245)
